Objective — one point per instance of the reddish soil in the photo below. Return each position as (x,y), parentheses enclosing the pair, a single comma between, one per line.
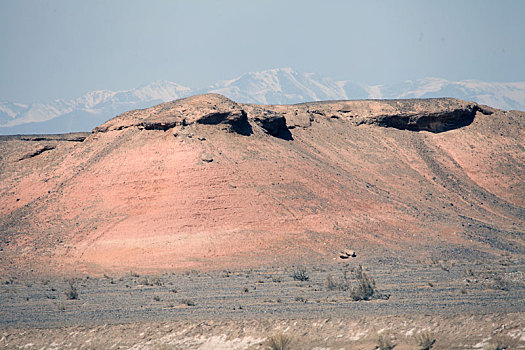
(207,183)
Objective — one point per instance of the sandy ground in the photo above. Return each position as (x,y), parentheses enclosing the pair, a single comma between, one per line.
(350,332)
(460,305)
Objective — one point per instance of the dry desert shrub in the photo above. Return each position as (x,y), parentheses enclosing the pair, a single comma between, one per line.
(300,274)
(145,282)
(364,290)
(72,293)
(278,342)
(502,342)
(187,302)
(499,283)
(331,284)
(425,340)
(385,342)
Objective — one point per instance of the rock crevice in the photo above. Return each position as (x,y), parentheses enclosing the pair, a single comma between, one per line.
(37,152)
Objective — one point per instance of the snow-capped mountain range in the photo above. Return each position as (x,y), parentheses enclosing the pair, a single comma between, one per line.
(275,86)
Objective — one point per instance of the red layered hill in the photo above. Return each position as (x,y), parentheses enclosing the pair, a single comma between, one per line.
(205,182)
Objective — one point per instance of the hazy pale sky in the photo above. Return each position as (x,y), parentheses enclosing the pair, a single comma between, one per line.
(63,48)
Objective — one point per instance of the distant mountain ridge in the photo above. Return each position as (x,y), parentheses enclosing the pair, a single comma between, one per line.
(274,86)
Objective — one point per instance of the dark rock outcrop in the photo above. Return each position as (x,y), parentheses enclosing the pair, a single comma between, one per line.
(209,109)
(37,152)
(436,122)
(160,125)
(71,137)
(275,126)
(432,115)
(236,119)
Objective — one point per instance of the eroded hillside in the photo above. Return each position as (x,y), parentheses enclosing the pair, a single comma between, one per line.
(205,182)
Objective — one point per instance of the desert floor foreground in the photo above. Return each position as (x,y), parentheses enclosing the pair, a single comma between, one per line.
(475,305)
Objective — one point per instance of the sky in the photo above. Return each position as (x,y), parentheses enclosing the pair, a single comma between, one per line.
(62,49)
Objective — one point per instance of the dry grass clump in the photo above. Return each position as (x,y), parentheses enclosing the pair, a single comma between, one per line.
(364,290)
(72,292)
(331,284)
(502,342)
(363,287)
(278,342)
(425,340)
(385,342)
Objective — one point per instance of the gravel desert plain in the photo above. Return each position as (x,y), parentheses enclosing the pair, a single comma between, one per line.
(203,223)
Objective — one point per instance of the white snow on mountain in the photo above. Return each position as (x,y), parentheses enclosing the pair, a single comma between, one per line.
(274,86)
(280,86)
(10,109)
(84,112)
(285,86)
(500,95)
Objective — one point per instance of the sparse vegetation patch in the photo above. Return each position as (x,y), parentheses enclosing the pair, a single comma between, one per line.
(332,284)
(278,342)
(385,342)
(72,292)
(425,340)
(187,302)
(364,289)
(300,274)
